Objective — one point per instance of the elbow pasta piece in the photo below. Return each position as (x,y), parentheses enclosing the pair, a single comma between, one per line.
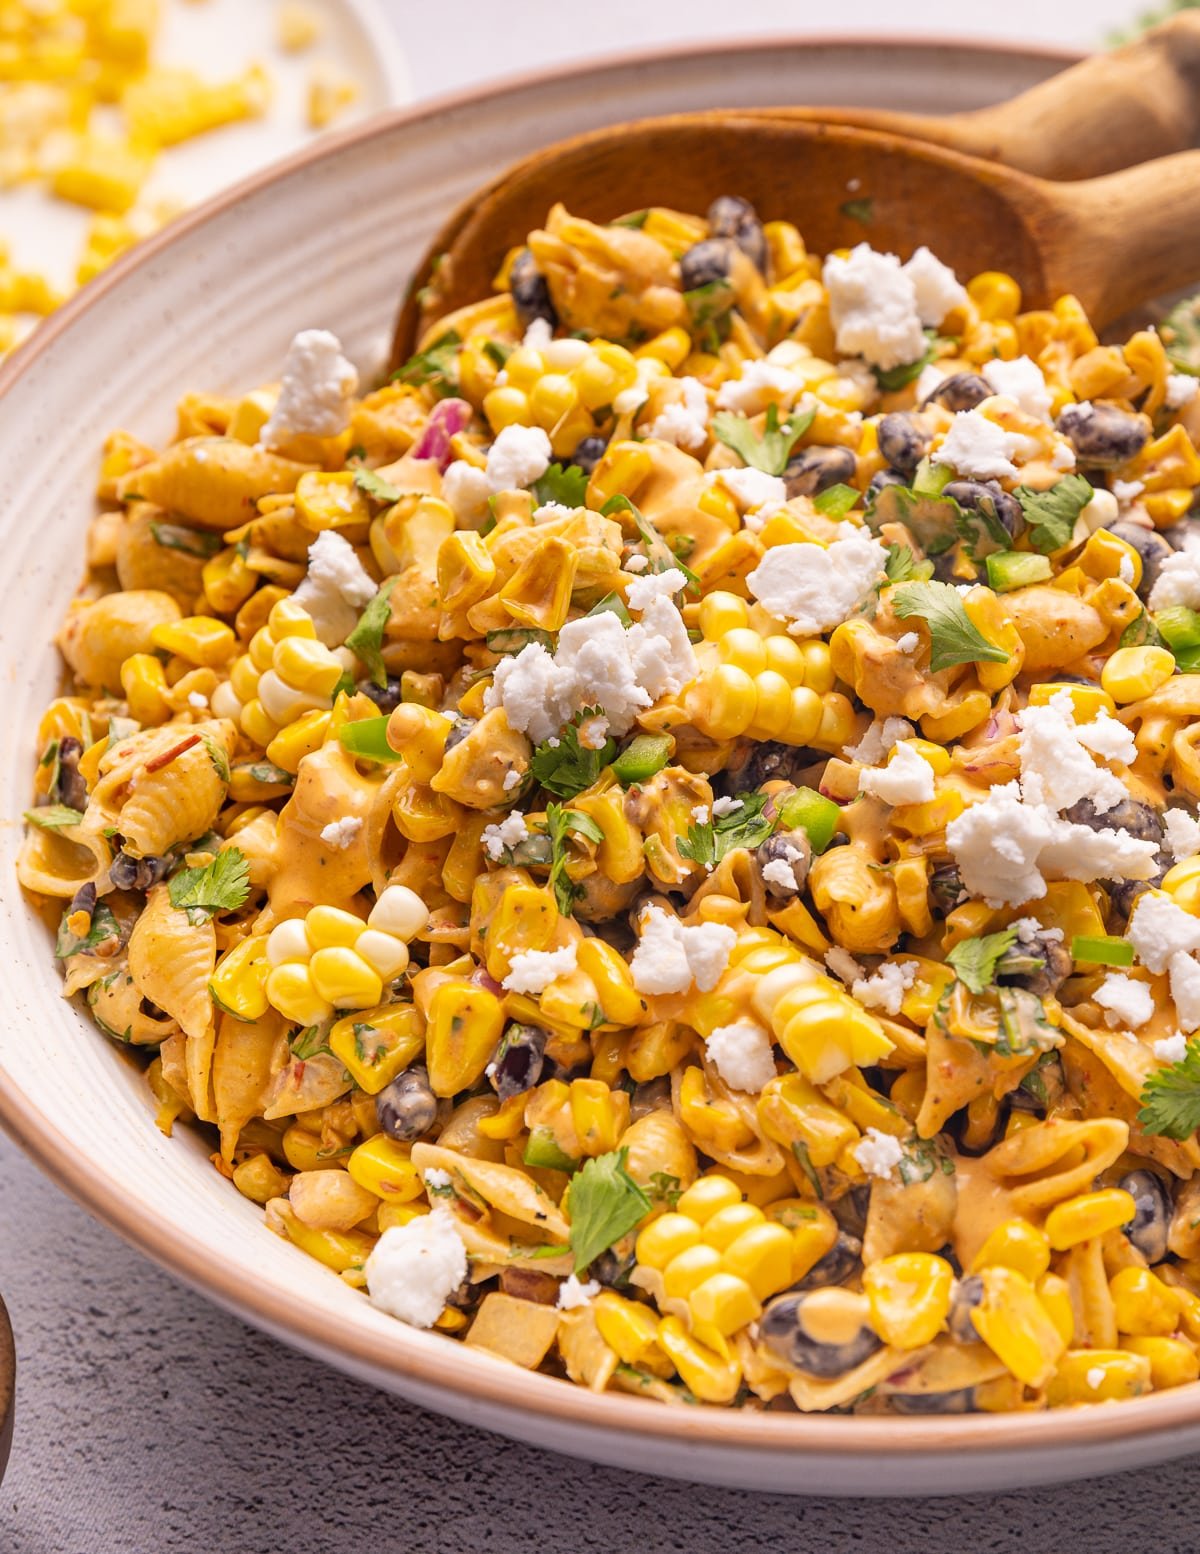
(517,816)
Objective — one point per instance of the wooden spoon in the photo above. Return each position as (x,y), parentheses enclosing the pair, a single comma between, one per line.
(8,1387)
(1107,112)
(1112,241)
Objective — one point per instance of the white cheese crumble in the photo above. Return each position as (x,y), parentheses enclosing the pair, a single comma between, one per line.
(1178,581)
(906,779)
(519,456)
(1125,1001)
(977,447)
(438,1180)
(886,989)
(670,957)
(1125,570)
(636,563)
(751,488)
(701,814)
(574,1293)
(873,307)
(1030,933)
(339,834)
(532,971)
(1183,834)
(815,588)
(1021,379)
(879,738)
(909,642)
(779,872)
(315,390)
(549,511)
(1170,1049)
(656,585)
(844,966)
(878,1153)
(538,334)
(761,384)
(1057,769)
(727,806)
(1127,491)
(503,835)
(415,1268)
(927,380)
(1108,738)
(1184,973)
(938,290)
(742,1055)
(336,588)
(466,488)
(685,424)
(1160,930)
(511,780)
(597,662)
(1181,389)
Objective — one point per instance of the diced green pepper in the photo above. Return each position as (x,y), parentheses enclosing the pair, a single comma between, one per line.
(810,811)
(1102,950)
(836,501)
(1009,569)
(931,479)
(641,758)
(368,738)
(542,1150)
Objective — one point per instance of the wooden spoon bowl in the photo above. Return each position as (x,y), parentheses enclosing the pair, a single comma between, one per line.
(1112,241)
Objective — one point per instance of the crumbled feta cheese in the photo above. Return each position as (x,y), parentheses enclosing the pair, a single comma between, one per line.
(761,384)
(600,663)
(815,588)
(1108,738)
(198,700)
(1184,973)
(511,780)
(727,806)
(906,779)
(415,1268)
(1057,769)
(519,456)
(979,448)
(538,334)
(843,965)
(1178,580)
(1030,933)
(878,740)
(335,589)
(742,1055)
(658,585)
(1183,833)
(937,288)
(1125,1001)
(593,733)
(339,834)
(751,488)
(670,957)
(532,971)
(909,642)
(873,307)
(315,390)
(701,814)
(1160,930)
(466,489)
(1094,1376)
(1127,491)
(573,1293)
(886,989)
(1125,570)
(684,424)
(1181,389)
(503,836)
(878,1153)
(1022,380)
(636,563)
(780,873)
(1170,1049)
(927,380)
(1063,457)
(549,511)
(438,1180)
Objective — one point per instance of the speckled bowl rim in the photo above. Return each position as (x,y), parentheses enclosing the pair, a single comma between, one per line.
(453,1368)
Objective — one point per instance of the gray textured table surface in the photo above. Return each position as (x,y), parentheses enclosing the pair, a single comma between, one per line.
(149,1422)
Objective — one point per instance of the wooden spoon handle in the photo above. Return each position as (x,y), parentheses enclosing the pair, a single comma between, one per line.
(1121,240)
(1108,112)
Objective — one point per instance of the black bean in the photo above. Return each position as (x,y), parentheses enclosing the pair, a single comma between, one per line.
(517,1066)
(84,899)
(1142,822)
(960,391)
(850,1210)
(783,1330)
(814,470)
(902,442)
(767,761)
(128,873)
(1103,435)
(794,850)
(611,1270)
(945,887)
(882,478)
(960,1401)
(986,496)
(839,1264)
(967,1295)
(732,217)
(652,1096)
(1152,1213)
(588,454)
(407,1107)
(1150,545)
(530,291)
(386,697)
(459,730)
(69,788)
(1057,965)
(706,262)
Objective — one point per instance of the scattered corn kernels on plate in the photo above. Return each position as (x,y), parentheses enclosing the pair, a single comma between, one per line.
(117,114)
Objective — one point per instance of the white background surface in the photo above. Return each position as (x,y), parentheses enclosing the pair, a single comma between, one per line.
(148,1422)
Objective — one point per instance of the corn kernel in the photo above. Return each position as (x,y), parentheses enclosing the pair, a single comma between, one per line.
(382,1166)
(724,1227)
(707,1375)
(663,1239)
(763,1256)
(706,1196)
(1143,1305)
(307,666)
(689,1269)
(377,1044)
(198,638)
(909,1296)
(1131,673)
(327,926)
(239,983)
(722,1304)
(1016,1326)
(343,978)
(290,989)
(1098,1376)
(1015,1243)
(631,1330)
(1090,1214)
(1172,1362)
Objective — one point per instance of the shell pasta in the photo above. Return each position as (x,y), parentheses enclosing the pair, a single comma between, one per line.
(662,841)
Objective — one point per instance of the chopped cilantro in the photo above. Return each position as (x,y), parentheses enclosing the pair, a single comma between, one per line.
(771,451)
(568,767)
(707,843)
(375,486)
(103,929)
(53,817)
(561,823)
(221,886)
(216,754)
(366,640)
(513,639)
(975,960)
(497,353)
(564,484)
(659,553)
(901,567)
(1171,1097)
(192,542)
(862,211)
(1051,514)
(605,1204)
(435,366)
(892,379)
(955,637)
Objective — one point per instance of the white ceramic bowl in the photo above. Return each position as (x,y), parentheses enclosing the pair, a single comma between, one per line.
(329,238)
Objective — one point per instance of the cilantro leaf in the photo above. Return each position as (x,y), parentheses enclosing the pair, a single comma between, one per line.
(103,929)
(568,767)
(771,451)
(708,842)
(221,886)
(661,556)
(955,637)
(709,307)
(375,486)
(216,754)
(605,1204)
(1141,632)
(566,485)
(902,567)
(862,211)
(1051,514)
(435,366)
(53,817)
(1171,1097)
(192,542)
(893,378)
(561,823)
(1180,332)
(975,960)
(514,639)
(366,640)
